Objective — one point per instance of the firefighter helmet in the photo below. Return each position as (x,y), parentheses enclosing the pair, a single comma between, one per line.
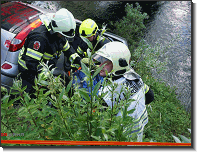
(118,53)
(64,23)
(88,28)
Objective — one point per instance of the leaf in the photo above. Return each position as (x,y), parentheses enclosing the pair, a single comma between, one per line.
(111,130)
(68,86)
(65,97)
(52,101)
(97,138)
(5,98)
(23,112)
(84,94)
(53,111)
(47,93)
(3,89)
(2,113)
(13,100)
(24,88)
(45,83)
(53,97)
(61,94)
(26,98)
(105,136)
(176,139)
(49,119)
(185,140)
(96,88)
(15,93)
(189,130)
(98,70)
(10,111)
(131,111)
(85,70)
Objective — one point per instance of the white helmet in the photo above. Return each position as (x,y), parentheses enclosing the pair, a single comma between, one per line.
(64,23)
(118,53)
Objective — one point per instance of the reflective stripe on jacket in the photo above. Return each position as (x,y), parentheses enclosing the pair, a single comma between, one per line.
(49,47)
(137,89)
(96,44)
(140,114)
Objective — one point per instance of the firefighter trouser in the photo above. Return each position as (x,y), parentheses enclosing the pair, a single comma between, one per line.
(27,79)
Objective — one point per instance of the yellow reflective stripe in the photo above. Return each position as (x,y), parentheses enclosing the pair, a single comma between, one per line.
(143,113)
(73,57)
(66,46)
(75,66)
(85,54)
(79,50)
(34,54)
(47,56)
(22,63)
(139,123)
(21,51)
(47,25)
(146,88)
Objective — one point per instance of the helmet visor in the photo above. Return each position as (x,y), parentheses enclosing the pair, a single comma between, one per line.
(99,58)
(89,35)
(69,33)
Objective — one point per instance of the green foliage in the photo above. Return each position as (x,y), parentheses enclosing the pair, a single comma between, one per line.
(183,138)
(167,116)
(80,117)
(131,26)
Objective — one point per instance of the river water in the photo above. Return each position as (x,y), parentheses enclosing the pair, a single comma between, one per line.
(171,27)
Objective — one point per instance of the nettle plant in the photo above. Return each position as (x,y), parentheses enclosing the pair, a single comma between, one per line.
(80,116)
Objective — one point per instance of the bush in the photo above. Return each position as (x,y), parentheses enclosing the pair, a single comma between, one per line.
(131,26)
(80,118)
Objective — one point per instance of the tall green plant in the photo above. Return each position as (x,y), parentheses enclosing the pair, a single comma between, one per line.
(81,117)
(132,25)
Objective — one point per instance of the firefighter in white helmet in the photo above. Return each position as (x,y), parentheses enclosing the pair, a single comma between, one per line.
(116,56)
(46,43)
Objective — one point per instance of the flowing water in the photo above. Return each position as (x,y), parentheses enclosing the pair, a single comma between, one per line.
(171,26)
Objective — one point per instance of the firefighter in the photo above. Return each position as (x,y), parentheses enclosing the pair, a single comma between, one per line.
(116,56)
(91,38)
(46,43)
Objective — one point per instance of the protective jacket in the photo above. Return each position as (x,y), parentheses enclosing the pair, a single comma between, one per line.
(138,91)
(84,44)
(41,45)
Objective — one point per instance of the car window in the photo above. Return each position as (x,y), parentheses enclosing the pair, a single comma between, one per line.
(13,13)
